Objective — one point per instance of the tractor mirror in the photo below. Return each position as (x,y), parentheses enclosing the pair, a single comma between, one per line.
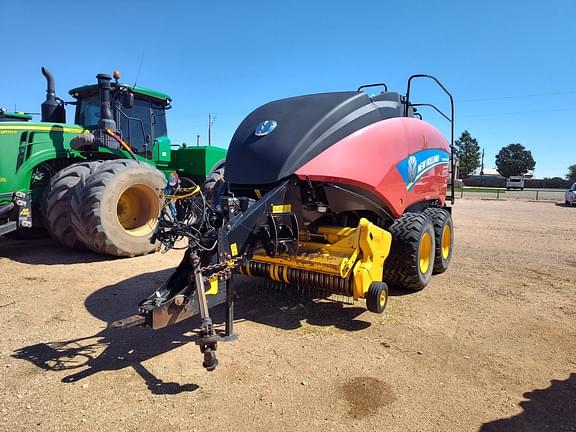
(128,100)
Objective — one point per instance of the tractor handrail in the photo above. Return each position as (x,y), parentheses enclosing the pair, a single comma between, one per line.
(451,120)
(373,85)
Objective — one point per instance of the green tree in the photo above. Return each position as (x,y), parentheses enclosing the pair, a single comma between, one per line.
(571,173)
(467,150)
(514,160)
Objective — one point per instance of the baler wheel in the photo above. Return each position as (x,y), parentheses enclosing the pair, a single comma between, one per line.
(444,237)
(410,262)
(115,210)
(57,201)
(377,297)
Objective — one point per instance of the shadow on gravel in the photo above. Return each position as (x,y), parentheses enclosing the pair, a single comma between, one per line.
(111,350)
(550,409)
(265,303)
(45,251)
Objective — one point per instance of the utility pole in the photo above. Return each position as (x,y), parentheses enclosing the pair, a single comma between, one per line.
(211,119)
(482,164)
(197,140)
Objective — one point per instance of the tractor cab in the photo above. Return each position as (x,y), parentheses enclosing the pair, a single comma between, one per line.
(139,114)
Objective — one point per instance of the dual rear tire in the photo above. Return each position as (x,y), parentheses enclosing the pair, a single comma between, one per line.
(115,210)
(57,209)
(110,207)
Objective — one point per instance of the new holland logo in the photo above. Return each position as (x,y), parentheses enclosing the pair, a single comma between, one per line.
(265,128)
(412,168)
(415,166)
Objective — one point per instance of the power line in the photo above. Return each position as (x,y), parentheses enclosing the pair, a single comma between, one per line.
(519,112)
(519,96)
(509,97)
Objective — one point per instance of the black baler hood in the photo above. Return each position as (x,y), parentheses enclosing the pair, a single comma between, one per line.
(306,126)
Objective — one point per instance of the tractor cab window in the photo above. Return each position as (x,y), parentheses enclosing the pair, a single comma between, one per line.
(135,126)
(159,121)
(88,112)
(141,124)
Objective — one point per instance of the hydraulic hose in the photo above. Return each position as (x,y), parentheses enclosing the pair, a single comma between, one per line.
(6,209)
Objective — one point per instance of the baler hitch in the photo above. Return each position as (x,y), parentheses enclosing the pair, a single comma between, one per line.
(207,340)
(158,311)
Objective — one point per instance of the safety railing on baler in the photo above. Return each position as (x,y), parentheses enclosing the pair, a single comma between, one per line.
(450,119)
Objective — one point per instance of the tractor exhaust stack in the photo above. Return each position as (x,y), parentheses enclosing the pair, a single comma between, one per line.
(52,108)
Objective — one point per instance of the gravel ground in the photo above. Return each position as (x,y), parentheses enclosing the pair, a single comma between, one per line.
(489,345)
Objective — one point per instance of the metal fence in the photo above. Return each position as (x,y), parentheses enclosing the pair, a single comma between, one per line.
(525,195)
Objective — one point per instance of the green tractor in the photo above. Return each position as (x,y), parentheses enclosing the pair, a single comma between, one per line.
(97,184)
(7,116)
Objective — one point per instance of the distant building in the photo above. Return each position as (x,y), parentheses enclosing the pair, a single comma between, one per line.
(493,172)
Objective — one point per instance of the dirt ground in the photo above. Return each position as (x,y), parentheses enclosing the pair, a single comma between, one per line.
(490,345)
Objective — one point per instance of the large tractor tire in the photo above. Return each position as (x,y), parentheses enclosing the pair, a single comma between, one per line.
(410,263)
(57,202)
(212,185)
(443,237)
(115,211)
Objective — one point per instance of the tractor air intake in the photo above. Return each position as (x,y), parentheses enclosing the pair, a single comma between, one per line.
(106,124)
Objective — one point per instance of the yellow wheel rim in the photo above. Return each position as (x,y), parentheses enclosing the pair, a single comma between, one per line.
(446,241)
(425,252)
(137,210)
(383,297)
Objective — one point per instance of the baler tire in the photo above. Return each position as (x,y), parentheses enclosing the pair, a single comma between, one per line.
(57,202)
(403,267)
(116,209)
(212,185)
(444,237)
(377,297)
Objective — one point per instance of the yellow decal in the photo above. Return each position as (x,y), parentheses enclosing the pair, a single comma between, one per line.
(282,208)
(25,212)
(55,128)
(258,193)
(213,286)
(3,179)
(234,249)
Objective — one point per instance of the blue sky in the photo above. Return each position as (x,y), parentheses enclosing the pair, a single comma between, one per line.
(509,64)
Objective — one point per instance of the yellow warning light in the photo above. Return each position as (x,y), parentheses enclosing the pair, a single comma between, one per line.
(116,74)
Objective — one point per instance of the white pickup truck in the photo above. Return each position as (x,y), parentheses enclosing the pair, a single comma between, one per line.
(570,195)
(515,182)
